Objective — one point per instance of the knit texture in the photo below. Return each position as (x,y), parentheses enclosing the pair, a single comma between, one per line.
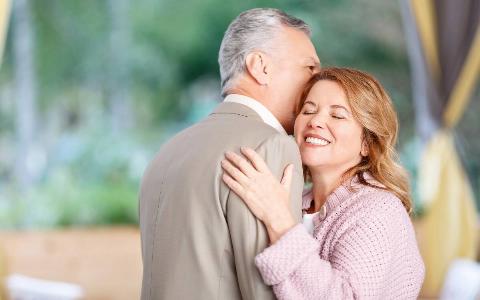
(365,248)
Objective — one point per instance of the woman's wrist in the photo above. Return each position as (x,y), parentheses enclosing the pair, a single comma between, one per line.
(277,227)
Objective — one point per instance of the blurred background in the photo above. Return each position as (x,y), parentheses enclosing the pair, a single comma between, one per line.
(89,91)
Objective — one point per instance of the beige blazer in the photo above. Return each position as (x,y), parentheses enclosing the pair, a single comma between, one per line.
(199,240)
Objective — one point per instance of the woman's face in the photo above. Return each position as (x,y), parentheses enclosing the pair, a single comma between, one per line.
(328,136)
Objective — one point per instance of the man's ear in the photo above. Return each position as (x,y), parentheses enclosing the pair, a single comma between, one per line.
(258,67)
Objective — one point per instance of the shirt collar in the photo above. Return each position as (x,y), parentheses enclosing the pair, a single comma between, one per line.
(259,108)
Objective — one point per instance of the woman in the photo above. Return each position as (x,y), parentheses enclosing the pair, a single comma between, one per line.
(356,240)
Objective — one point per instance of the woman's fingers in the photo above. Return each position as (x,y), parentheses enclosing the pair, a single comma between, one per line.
(287,178)
(242,164)
(236,187)
(261,191)
(234,172)
(251,202)
(256,160)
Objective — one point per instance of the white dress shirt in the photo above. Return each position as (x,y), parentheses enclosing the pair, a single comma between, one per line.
(259,108)
(307,221)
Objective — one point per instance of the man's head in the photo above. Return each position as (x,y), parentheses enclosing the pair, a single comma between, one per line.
(267,55)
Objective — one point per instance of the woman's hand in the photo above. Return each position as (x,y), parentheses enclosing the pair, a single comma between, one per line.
(255,184)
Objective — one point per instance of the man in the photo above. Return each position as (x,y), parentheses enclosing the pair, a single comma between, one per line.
(198,238)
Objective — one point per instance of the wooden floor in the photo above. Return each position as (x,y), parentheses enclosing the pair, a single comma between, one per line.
(106,262)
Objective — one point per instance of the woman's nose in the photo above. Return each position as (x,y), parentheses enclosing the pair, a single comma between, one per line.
(317,121)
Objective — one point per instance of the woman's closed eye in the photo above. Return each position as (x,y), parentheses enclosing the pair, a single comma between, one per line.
(337,116)
(309,112)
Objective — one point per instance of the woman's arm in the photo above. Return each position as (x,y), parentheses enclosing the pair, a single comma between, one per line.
(357,266)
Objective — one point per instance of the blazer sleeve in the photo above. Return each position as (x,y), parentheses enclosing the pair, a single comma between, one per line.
(248,234)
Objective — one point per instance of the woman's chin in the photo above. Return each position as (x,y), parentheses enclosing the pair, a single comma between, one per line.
(315,163)
(313,158)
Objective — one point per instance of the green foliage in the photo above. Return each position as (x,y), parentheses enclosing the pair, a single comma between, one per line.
(93,179)
(63,201)
(92,172)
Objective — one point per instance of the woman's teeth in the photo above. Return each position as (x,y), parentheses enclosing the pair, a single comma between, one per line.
(316,141)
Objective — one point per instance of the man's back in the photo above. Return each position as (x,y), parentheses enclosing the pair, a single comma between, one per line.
(198,239)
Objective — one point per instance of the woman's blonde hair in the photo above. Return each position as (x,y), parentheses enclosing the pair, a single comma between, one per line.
(373,109)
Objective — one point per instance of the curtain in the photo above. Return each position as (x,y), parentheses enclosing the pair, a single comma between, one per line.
(443,40)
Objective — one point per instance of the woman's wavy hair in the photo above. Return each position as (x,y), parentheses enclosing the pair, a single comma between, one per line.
(373,109)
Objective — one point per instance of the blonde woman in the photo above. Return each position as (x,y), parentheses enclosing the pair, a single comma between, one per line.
(357,240)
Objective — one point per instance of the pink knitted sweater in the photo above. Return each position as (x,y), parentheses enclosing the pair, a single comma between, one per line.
(364,248)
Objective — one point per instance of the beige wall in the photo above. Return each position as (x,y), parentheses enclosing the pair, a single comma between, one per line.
(106,262)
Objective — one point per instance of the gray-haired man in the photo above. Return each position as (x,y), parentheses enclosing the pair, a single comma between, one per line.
(199,240)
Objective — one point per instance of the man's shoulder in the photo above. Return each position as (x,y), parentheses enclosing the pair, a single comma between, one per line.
(215,136)
(279,140)
(230,129)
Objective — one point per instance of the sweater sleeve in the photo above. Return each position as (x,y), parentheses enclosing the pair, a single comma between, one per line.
(356,267)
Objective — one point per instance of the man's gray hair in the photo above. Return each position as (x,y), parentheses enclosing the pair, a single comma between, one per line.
(252,30)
